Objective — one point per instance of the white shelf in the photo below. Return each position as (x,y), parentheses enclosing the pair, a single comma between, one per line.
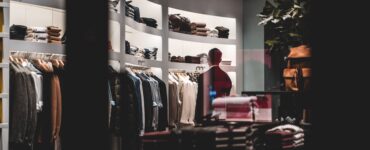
(142,27)
(114,56)
(4,4)
(4,95)
(60,4)
(4,125)
(4,35)
(4,65)
(192,67)
(142,61)
(115,16)
(201,39)
(20,45)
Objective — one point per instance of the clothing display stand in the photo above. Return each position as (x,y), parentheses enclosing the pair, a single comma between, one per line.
(4,66)
(22,46)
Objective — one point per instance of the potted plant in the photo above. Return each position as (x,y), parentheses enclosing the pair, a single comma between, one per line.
(284,20)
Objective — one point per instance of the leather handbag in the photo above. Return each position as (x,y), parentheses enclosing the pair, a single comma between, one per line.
(298,72)
(297,79)
(302,51)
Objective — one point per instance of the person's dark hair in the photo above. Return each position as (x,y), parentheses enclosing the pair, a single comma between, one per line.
(214,56)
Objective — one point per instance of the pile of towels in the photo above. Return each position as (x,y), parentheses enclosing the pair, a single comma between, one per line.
(223,32)
(198,28)
(54,35)
(285,137)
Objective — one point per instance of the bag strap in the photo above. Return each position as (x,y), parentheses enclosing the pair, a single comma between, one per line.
(300,81)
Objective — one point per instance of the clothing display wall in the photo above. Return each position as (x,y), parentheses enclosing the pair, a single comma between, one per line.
(36,107)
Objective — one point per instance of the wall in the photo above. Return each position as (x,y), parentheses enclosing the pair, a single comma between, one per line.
(29,15)
(253,46)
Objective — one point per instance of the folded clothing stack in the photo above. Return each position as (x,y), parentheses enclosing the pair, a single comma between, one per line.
(113,5)
(199,28)
(192,59)
(132,11)
(149,22)
(203,58)
(177,59)
(223,32)
(147,53)
(127,47)
(178,23)
(233,107)
(18,32)
(54,35)
(150,53)
(285,137)
(37,34)
(213,33)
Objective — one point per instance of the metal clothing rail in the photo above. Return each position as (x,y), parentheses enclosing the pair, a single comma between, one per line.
(35,55)
(136,66)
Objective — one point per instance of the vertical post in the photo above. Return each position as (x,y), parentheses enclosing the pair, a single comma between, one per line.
(123,34)
(5,72)
(85,100)
(165,47)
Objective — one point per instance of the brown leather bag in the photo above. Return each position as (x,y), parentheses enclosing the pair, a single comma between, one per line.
(298,72)
(297,79)
(302,51)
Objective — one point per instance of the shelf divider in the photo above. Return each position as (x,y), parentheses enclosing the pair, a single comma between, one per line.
(200,39)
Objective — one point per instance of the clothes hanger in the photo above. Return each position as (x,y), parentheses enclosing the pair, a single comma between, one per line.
(54,61)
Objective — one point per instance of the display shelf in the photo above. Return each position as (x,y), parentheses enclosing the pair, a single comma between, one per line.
(4,95)
(193,67)
(4,65)
(2,34)
(202,39)
(19,45)
(142,61)
(142,27)
(47,3)
(115,17)
(4,125)
(114,56)
(4,4)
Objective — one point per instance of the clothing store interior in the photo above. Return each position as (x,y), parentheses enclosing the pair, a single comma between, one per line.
(155,75)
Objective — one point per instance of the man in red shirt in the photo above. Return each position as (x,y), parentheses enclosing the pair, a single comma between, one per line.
(211,84)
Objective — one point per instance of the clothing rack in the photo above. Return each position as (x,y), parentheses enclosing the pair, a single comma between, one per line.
(35,55)
(139,67)
(177,70)
(183,71)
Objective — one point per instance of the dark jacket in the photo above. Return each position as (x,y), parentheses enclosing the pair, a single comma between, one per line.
(148,103)
(215,79)
(163,119)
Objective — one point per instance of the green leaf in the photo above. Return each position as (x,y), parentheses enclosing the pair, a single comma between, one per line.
(295,35)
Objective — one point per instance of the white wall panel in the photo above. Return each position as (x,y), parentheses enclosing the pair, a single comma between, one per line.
(114,35)
(149,10)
